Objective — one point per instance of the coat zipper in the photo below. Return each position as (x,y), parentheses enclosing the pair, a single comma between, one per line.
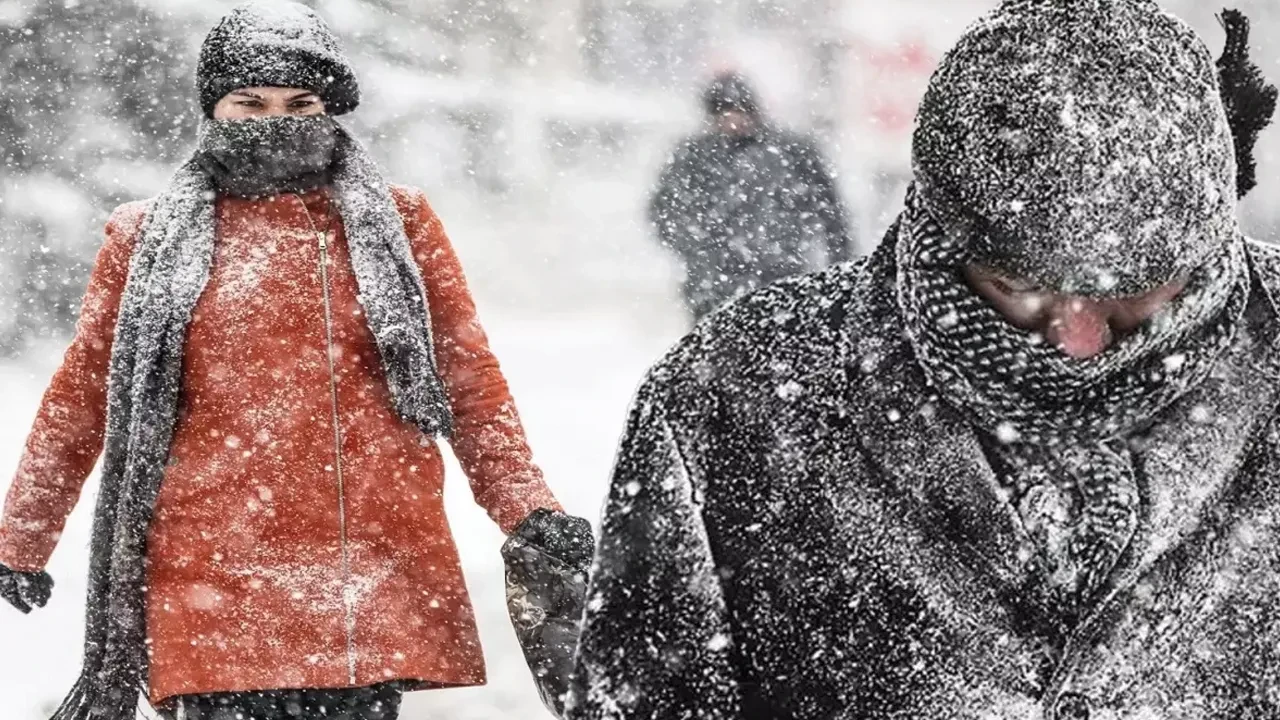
(348,599)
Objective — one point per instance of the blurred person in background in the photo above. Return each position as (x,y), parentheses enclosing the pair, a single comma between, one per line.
(1023,462)
(744,203)
(268,352)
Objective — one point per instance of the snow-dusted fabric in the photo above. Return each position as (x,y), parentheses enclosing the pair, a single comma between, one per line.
(1063,417)
(742,212)
(1015,385)
(1054,126)
(275,43)
(798,527)
(168,273)
(268,156)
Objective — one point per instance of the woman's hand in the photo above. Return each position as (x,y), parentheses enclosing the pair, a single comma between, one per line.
(25,590)
(547,559)
(563,537)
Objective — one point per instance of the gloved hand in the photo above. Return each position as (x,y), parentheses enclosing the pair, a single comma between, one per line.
(563,537)
(547,559)
(25,590)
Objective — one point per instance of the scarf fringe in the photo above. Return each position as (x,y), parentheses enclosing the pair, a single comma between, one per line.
(85,702)
(76,705)
(1250,100)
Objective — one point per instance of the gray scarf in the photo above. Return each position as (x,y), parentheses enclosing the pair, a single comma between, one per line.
(268,156)
(1061,426)
(167,275)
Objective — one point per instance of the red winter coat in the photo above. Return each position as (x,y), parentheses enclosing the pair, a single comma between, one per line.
(248,589)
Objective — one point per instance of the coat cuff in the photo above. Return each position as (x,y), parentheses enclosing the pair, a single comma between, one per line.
(25,551)
(509,503)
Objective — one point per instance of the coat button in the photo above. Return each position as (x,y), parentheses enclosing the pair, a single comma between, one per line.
(1071,706)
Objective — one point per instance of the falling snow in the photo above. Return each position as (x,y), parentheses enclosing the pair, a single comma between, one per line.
(799,522)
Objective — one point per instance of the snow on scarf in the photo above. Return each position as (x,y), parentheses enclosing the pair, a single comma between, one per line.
(1058,421)
(168,273)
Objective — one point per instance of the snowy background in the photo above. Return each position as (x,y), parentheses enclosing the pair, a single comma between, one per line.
(536,127)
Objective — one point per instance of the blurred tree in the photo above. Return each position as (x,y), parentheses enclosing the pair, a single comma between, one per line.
(96,101)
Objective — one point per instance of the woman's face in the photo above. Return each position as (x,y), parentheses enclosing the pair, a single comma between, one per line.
(1080,326)
(260,102)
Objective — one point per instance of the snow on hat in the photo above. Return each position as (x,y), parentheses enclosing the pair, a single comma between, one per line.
(730,91)
(1084,143)
(275,43)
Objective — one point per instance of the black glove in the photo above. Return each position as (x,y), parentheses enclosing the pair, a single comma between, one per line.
(547,559)
(563,537)
(25,590)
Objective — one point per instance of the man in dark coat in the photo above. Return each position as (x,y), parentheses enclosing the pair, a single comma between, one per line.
(1023,462)
(745,204)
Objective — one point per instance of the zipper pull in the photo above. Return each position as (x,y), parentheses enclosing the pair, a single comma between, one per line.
(323,236)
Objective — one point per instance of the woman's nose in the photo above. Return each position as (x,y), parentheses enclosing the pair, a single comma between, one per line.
(1079,327)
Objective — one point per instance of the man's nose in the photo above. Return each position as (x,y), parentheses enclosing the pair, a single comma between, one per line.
(1079,326)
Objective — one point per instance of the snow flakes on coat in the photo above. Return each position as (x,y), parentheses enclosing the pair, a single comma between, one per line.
(845,550)
(1057,124)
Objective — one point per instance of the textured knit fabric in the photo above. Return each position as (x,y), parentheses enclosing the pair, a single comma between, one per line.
(798,527)
(1055,128)
(246,585)
(1013,383)
(275,43)
(1062,417)
(268,156)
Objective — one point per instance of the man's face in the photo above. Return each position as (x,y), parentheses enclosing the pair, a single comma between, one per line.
(735,122)
(1080,326)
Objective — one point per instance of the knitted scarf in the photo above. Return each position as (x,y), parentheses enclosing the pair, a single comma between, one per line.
(168,272)
(1060,425)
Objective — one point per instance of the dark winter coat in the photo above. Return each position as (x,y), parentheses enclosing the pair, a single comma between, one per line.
(261,573)
(779,542)
(744,212)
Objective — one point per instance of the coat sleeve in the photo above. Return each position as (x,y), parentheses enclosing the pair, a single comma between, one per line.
(828,204)
(656,642)
(66,438)
(489,439)
(672,208)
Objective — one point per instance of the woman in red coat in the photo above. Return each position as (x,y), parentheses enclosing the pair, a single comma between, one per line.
(265,357)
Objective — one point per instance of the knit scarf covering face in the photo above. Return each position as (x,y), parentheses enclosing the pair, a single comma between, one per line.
(168,272)
(1060,424)
(268,156)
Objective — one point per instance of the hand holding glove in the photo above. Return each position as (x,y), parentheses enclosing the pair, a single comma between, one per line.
(547,560)
(25,590)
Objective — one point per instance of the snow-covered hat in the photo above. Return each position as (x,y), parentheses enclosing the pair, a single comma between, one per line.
(1083,142)
(275,43)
